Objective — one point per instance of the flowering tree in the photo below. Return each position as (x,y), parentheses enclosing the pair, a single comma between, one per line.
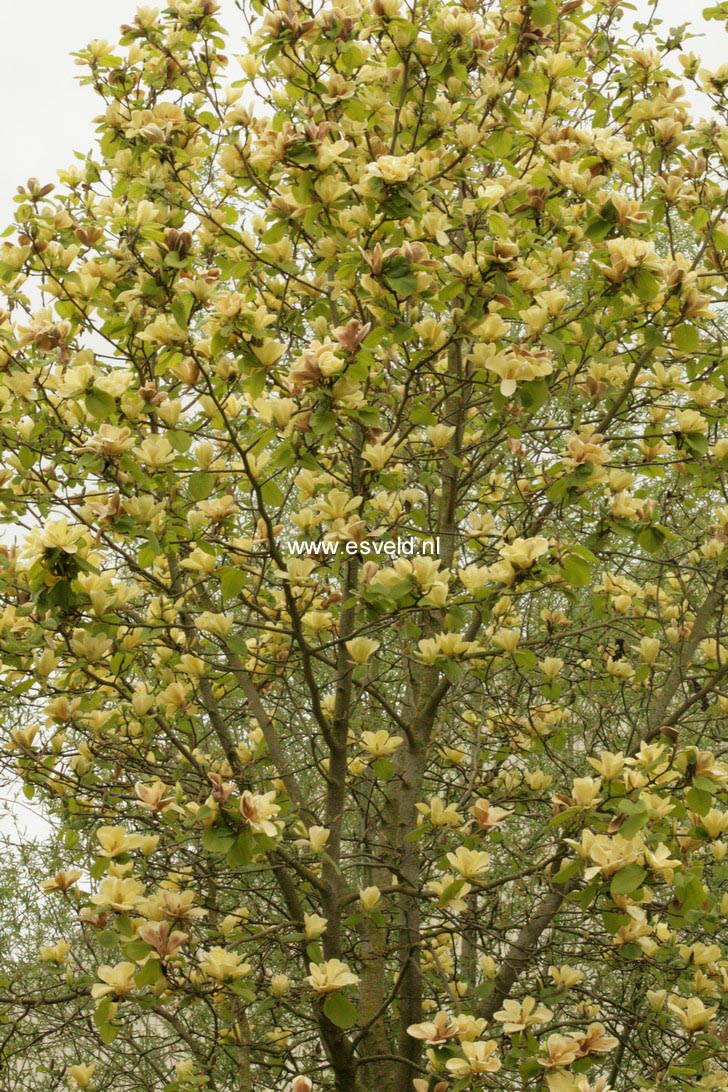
(450,274)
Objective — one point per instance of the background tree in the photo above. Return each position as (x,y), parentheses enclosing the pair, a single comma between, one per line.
(333,818)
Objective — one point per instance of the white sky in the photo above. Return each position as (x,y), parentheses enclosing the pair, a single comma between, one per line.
(48,116)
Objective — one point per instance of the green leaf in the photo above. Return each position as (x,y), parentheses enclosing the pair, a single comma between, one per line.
(647,286)
(652,539)
(149,973)
(340,1011)
(632,825)
(499,143)
(108,1032)
(383,769)
(686,338)
(544,13)
(217,839)
(628,879)
(201,484)
(232,582)
(100,404)
(566,872)
(577,571)
(698,800)
(241,851)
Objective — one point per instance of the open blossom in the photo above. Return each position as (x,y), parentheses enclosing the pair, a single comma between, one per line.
(434,1032)
(117,980)
(380,744)
(114,841)
(121,894)
(479,1058)
(393,168)
(330,976)
(487,815)
(518,1015)
(692,1014)
(361,649)
(440,814)
(221,965)
(523,552)
(257,810)
(62,881)
(468,863)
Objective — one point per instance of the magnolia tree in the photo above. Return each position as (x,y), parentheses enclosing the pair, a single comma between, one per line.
(361,407)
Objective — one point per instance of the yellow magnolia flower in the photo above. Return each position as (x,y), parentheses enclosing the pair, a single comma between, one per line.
(114,841)
(478,1059)
(314,926)
(54,953)
(316,839)
(434,1032)
(218,624)
(369,897)
(565,977)
(62,881)
(118,893)
(82,1074)
(523,552)
(221,965)
(155,451)
(561,1050)
(393,168)
(380,744)
(516,1016)
(117,980)
(360,649)
(440,435)
(330,976)
(257,810)
(440,814)
(455,901)
(468,863)
(692,1014)
(608,765)
(487,816)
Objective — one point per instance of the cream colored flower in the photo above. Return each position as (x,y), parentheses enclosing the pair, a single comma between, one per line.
(478,1059)
(692,1014)
(257,809)
(120,894)
(330,976)
(314,926)
(380,744)
(54,953)
(82,1074)
(155,451)
(369,897)
(487,815)
(393,169)
(440,814)
(114,841)
(117,980)
(62,881)
(516,1016)
(222,965)
(523,552)
(361,649)
(434,1032)
(468,863)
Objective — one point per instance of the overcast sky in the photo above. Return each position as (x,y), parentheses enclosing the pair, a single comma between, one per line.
(47,115)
